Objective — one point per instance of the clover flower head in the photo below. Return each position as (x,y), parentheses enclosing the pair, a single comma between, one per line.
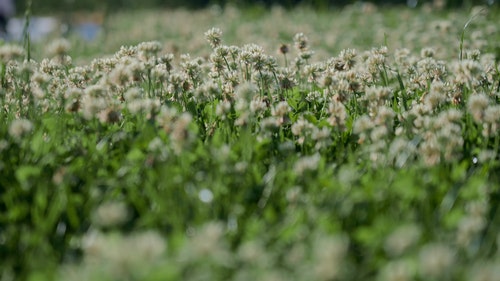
(20,127)
(214,37)
(301,41)
(59,47)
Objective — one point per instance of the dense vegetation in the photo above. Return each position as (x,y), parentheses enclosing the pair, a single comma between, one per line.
(283,149)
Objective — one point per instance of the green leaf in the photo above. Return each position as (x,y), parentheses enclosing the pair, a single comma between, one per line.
(25,173)
(135,155)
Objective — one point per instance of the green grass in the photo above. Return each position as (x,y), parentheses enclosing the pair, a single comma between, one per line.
(144,163)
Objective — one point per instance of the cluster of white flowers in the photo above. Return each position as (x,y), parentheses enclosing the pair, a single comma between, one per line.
(388,106)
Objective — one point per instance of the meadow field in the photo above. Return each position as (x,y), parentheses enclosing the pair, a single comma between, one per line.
(265,144)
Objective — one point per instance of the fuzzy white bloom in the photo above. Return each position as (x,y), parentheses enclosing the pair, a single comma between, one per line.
(362,124)
(468,227)
(338,114)
(280,109)
(307,163)
(384,116)
(10,52)
(214,37)
(492,120)
(223,108)
(301,42)
(148,50)
(253,252)
(435,260)
(301,126)
(122,257)
(246,91)
(378,133)
(476,105)
(427,52)
(328,255)
(207,243)
(257,105)
(485,271)
(401,239)
(397,271)
(20,127)
(59,47)
(110,214)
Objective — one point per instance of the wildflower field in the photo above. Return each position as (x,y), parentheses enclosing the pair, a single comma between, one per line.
(356,144)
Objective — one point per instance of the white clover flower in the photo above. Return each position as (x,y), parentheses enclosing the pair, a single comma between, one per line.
(121,75)
(208,90)
(328,255)
(121,257)
(180,134)
(362,125)
(110,214)
(484,271)
(301,41)
(132,94)
(280,109)
(402,56)
(20,127)
(378,133)
(492,114)
(223,108)
(269,123)
(476,105)
(148,246)
(145,105)
(307,163)
(491,123)
(430,151)
(208,243)
(452,115)
(148,50)
(427,52)
(468,227)
(243,119)
(166,117)
(301,126)
(378,93)
(347,59)
(398,270)
(110,115)
(10,52)
(257,105)
(467,71)
(254,253)
(246,91)
(59,47)
(400,151)
(435,260)
(306,55)
(214,37)
(375,62)
(91,106)
(125,52)
(401,239)
(338,114)
(384,116)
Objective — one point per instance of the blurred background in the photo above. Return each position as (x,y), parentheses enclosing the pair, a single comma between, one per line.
(47,6)
(104,25)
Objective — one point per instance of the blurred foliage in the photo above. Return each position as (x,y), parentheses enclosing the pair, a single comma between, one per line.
(65,5)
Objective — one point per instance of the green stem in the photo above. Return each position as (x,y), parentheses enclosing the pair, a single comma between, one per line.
(26,33)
